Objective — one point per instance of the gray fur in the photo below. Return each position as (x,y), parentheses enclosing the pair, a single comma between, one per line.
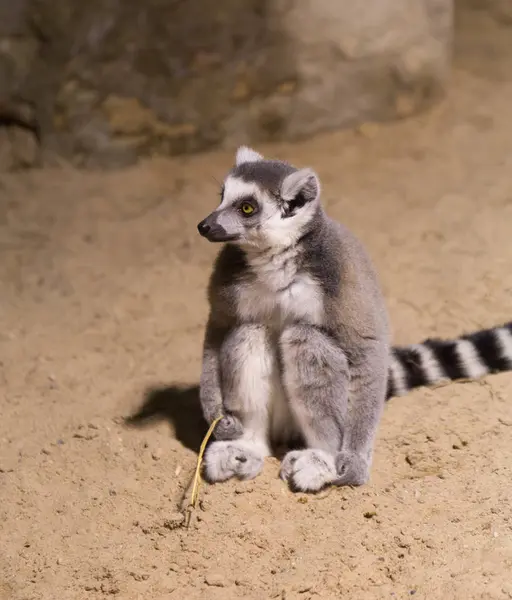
(297,337)
(269,173)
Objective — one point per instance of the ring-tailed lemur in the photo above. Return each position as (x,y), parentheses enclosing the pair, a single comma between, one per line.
(297,340)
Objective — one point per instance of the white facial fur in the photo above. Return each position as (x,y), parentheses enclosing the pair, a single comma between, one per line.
(267,229)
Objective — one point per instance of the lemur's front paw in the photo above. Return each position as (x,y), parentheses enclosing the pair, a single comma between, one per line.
(352,468)
(228,428)
(223,460)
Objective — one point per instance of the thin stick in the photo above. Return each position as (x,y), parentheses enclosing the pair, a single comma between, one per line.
(197,476)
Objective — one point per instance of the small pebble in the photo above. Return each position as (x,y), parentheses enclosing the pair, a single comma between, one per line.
(157,454)
(174,521)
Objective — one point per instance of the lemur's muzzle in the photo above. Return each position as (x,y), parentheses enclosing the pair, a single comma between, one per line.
(213,232)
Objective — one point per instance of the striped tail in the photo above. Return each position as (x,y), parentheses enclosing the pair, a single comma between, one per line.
(470,356)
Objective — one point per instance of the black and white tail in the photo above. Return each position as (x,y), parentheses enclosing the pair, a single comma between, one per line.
(470,356)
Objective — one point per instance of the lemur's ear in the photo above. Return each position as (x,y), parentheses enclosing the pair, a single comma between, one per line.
(298,189)
(245,154)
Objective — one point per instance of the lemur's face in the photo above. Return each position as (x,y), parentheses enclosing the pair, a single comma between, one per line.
(264,203)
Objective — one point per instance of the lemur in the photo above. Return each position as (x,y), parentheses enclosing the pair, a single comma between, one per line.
(297,342)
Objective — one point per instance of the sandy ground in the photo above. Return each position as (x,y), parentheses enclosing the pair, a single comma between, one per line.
(103,297)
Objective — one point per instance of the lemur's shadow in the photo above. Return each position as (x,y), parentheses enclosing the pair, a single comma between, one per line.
(180,407)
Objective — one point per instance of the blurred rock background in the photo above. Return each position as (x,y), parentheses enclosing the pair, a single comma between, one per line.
(103,82)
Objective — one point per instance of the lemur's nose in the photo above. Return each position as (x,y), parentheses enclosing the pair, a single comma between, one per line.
(203,227)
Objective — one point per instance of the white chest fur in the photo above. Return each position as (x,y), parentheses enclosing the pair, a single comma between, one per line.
(280,293)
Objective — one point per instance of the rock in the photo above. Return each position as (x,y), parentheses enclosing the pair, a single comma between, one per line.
(18,149)
(174,521)
(18,51)
(157,454)
(24,147)
(12,17)
(122,80)
(501,10)
(6,158)
(369,514)
(215,580)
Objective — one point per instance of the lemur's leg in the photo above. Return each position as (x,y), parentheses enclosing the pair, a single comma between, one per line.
(338,407)
(316,378)
(247,364)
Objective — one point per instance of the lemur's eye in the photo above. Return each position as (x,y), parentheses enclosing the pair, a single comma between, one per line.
(247,208)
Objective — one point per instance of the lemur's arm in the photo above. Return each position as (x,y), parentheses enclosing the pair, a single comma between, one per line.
(210,393)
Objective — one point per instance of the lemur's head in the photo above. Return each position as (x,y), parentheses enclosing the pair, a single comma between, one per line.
(264,203)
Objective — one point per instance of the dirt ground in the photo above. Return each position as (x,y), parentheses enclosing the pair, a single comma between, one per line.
(103,297)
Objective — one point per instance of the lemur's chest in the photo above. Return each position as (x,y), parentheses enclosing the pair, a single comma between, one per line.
(279,294)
